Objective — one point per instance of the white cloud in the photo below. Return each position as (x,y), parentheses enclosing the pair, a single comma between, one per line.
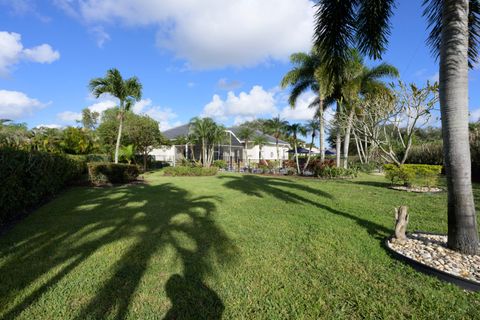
(12,52)
(249,105)
(50,126)
(211,33)
(15,105)
(225,84)
(301,112)
(41,54)
(69,116)
(102,105)
(100,35)
(164,116)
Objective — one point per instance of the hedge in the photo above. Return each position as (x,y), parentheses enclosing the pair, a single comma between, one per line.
(107,172)
(190,171)
(28,178)
(413,174)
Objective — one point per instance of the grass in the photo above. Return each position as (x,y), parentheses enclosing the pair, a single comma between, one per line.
(230,246)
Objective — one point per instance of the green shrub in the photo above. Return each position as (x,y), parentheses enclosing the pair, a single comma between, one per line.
(28,178)
(413,174)
(329,172)
(98,157)
(221,164)
(190,171)
(107,172)
(426,153)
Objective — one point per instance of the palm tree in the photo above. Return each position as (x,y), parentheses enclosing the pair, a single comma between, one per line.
(276,128)
(309,73)
(311,127)
(126,91)
(201,129)
(358,81)
(293,130)
(454,39)
(260,141)
(246,134)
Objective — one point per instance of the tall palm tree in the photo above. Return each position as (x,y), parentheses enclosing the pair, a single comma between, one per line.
(293,130)
(246,134)
(276,128)
(312,128)
(260,141)
(309,74)
(454,38)
(126,91)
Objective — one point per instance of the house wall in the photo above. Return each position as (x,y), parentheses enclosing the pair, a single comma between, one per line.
(269,152)
(165,153)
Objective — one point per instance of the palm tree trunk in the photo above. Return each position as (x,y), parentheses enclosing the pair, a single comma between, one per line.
(338,141)
(296,158)
(309,153)
(462,224)
(119,136)
(278,154)
(346,143)
(321,130)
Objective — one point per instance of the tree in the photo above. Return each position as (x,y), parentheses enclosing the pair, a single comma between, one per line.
(309,73)
(246,134)
(139,130)
(76,141)
(391,120)
(311,127)
(208,134)
(89,119)
(454,38)
(126,91)
(260,141)
(14,135)
(293,130)
(276,127)
(144,134)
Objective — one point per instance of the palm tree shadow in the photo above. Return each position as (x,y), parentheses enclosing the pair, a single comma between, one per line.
(161,213)
(287,190)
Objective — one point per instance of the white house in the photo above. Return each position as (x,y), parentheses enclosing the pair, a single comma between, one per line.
(232,151)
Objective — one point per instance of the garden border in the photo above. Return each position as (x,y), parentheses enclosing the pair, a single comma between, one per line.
(418,266)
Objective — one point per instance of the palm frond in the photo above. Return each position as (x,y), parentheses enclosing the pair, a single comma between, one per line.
(373,26)
(297,90)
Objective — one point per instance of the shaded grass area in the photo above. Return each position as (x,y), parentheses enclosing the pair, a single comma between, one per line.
(231,246)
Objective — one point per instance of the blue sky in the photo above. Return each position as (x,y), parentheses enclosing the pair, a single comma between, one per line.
(219,58)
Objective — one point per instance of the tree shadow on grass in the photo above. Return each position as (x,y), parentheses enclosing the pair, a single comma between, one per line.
(152,217)
(378,184)
(290,191)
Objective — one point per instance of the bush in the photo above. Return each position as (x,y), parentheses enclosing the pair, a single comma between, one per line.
(367,167)
(316,166)
(98,158)
(221,164)
(28,178)
(426,153)
(190,171)
(413,174)
(107,172)
(329,172)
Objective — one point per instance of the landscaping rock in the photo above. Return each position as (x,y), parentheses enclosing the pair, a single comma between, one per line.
(431,250)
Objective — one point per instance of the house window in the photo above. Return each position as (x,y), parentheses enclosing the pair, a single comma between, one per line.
(271,154)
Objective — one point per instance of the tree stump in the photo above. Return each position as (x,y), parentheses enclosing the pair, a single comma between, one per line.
(401,222)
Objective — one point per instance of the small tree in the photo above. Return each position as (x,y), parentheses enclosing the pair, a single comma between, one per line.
(89,119)
(391,120)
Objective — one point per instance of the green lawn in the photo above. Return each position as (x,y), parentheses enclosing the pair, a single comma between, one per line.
(231,246)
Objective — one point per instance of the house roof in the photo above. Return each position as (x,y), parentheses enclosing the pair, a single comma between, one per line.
(183,130)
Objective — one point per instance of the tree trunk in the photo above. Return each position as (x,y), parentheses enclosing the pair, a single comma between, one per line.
(145,161)
(346,143)
(309,154)
(296,158)
(401,222)
(338,143)
(462,224)
(204,153)
(278,155)
(321,130)
(119,136)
